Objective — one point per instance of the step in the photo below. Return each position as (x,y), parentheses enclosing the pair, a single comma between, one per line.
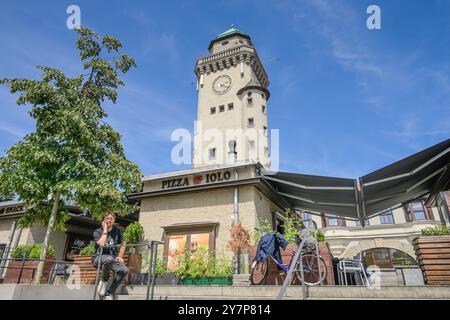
(292,292)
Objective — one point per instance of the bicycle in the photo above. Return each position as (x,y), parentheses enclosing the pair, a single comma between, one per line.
(314,267)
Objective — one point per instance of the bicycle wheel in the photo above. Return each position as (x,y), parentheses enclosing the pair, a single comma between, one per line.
(259,272)
(311,269)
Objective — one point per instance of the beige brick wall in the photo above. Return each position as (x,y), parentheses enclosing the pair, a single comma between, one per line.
(211,205)
(5,228)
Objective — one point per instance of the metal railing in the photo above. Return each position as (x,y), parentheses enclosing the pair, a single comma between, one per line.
(304,234)
(152,249)
(61,267)
(5,265)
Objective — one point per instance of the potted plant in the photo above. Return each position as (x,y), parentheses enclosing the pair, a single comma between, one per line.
(88,272)
(239,244)
(26,259)
(199,268)
(433,254)
(134,234)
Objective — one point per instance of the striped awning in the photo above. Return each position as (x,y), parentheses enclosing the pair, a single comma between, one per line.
(425,173)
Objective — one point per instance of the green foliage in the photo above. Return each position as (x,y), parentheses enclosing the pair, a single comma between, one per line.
(440,230)
(320,235)
(201,264)
(265,226)
(292,225)
(73,150)
(31,251)
(89,250)
(134,233)
(161,266)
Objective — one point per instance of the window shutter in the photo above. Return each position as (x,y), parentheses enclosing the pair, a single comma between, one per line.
(408,213)
(324,220)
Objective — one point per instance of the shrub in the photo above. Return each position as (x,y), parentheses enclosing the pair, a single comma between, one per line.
(320,235)
(31,251)
(264,227)
(440,230)
(200,264)
(134,233)
(89,250)
(239,240)
(292,225)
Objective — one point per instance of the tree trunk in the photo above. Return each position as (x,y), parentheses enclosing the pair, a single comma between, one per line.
(51,224)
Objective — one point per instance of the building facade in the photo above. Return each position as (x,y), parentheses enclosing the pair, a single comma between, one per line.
(197,207)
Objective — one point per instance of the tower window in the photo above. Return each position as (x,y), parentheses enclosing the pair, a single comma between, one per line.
(263,96)
(263,109)
(249,94)
(224,43)
(212,153)
(213,110)
(250,123)
(251,144)
(265,130)
(232,146)
(221,108)
(230,106)
(266,151)
(250,102)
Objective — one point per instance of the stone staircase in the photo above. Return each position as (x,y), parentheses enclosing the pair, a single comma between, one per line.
(292,293)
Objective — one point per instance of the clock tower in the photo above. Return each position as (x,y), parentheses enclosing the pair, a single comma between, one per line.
(232,103)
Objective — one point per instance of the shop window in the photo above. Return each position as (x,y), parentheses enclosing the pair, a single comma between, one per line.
(185,240)
(2,249)
(387,258)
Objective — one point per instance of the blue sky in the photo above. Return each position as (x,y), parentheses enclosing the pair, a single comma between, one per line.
(347,100)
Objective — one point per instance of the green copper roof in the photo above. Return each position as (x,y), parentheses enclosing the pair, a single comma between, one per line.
(230,31)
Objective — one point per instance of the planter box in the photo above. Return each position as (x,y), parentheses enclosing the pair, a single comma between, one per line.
(13,271)
(88,272)
(167,279)
(433,255)
(206,281)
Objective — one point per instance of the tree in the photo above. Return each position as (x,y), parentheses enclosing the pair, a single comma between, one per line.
(73,155)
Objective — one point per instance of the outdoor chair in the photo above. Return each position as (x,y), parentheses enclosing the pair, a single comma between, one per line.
(59,271)
(354,268)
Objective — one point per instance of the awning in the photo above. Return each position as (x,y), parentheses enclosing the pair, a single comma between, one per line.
(424,173)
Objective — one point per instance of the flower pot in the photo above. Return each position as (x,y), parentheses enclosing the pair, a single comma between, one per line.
(134,262)
(20,271)
(206,281)
(221,281)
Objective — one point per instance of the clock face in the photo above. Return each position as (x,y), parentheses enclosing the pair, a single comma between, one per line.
(222,84)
